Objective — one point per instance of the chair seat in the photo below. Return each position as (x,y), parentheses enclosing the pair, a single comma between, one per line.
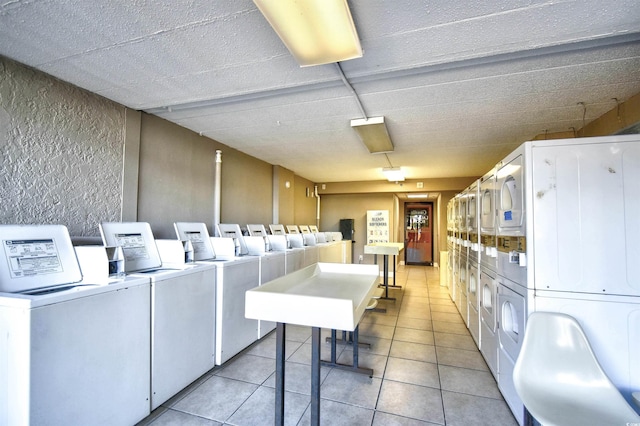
(559,379)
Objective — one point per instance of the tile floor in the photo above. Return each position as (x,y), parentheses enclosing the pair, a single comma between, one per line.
(427,371)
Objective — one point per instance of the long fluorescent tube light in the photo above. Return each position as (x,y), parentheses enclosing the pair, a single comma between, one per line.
(316,32)
(373,133)
(417,195)
(393,174)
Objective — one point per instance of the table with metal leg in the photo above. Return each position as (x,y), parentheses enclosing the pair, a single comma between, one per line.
(324,295)
(386,250)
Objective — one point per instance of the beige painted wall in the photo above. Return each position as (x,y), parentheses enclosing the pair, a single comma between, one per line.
(177,178)
(355,206)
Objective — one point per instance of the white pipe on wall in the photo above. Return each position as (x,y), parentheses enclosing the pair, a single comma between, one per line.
(216,191)
(315,193)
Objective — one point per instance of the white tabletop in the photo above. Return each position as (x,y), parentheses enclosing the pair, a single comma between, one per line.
(384,248)
(326,295)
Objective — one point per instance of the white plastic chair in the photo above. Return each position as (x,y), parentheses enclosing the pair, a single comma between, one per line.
(559,379)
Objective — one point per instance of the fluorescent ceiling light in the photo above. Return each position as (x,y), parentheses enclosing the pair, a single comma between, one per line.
(373,133)
(417,195)
(315,31)
(393,174)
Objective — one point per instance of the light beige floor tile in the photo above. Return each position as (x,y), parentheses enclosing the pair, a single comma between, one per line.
(377,363)
(385,419)
(464,410)
(447,317)
(472,382)
(173,417)
(455,341)
(407,400)
(248,368)
(297,378)
(414,372)
(216,399)
(376,330)
(417,323)
(351,388)
(450,327)
(413,351)
(454,357)
(259,408)
(412,335)
(338,414)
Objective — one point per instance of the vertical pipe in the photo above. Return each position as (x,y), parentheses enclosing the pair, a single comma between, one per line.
(216,191)
(315,194)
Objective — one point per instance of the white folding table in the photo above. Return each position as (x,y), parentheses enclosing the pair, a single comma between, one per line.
(323,295)
(386,249)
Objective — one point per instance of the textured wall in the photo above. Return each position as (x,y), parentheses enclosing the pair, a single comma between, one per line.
(62,152)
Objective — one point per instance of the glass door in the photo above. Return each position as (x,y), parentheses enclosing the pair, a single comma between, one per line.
(419,234)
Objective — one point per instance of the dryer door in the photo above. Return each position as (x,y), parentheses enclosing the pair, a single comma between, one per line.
(512,314)
(510,199)
(488,300)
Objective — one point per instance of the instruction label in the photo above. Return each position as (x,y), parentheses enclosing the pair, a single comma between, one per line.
(28,258)
(197,241)
(133,246)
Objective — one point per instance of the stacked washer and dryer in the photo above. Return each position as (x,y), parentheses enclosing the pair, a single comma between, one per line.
(558,232)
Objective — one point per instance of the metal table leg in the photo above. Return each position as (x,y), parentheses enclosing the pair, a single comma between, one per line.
(386,278)
(315,376)
(280,338)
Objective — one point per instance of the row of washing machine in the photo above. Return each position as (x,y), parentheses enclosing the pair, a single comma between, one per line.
(81,337)
(552,227)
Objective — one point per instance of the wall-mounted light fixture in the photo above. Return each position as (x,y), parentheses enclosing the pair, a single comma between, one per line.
(393,174)
(373,134)
(316,32)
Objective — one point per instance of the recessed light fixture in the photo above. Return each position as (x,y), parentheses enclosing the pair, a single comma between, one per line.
(417,195)
(316,32)
(393,174)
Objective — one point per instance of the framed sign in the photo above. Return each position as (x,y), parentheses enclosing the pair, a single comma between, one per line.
(377,226)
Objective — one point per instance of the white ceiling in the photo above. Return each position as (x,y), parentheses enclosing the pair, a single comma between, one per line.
(460,83)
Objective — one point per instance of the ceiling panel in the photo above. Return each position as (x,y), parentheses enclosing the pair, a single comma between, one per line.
(460,83)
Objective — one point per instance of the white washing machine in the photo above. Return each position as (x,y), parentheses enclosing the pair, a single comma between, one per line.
(272,266)
(512,314)
(295,257)
(182,305)
(311,249)
(488,221)
(234,276)
(461,293)
(69,356)
(473,296)
(488,318)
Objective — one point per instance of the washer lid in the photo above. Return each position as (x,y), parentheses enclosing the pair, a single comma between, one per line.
(36,256)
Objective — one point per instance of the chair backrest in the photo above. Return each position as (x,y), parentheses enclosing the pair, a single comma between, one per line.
(559,379)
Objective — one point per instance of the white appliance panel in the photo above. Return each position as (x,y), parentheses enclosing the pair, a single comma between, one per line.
(488,321)
(511,195)
(72,360)
(234,332)
(183,329)
(587,198)
(487,208)
(272,266)
(512,314)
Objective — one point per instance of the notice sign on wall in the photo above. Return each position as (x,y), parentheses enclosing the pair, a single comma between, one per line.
(377,226)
